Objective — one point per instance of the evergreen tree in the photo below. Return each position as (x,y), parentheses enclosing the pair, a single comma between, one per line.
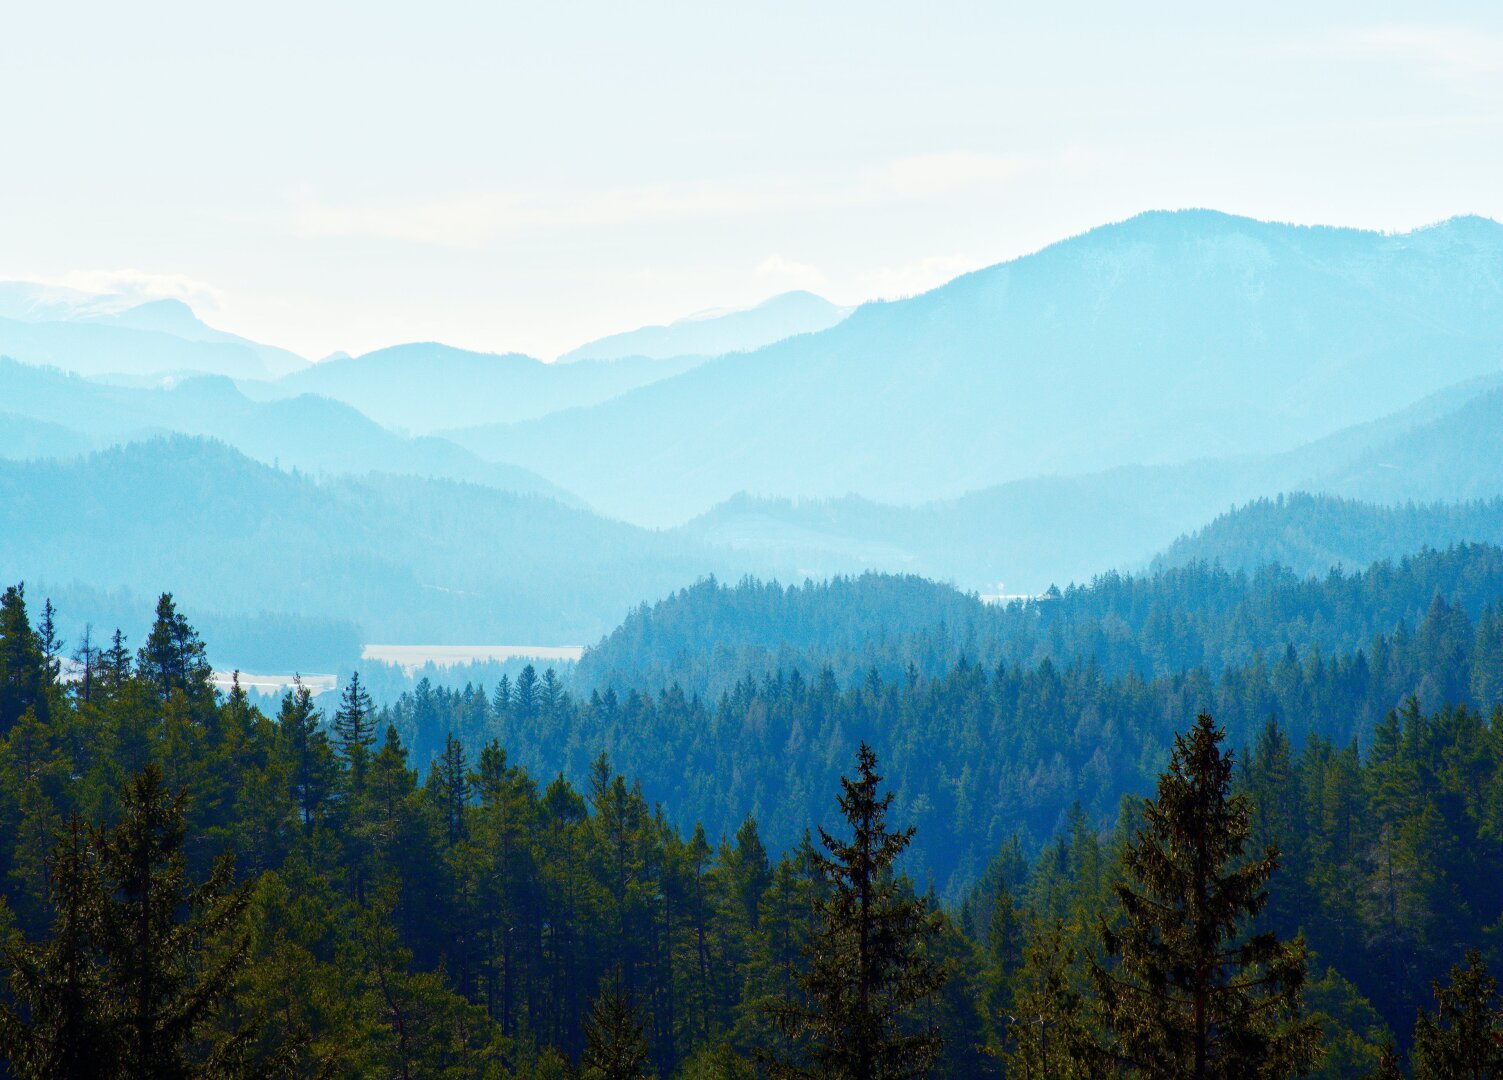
(22,664)
(62,1024)
(1463,1038)
(615,1046)
(50,644)
(1192,995)
(312,772)
(115,664)
(1048,1036)
(171,948)
(173,658)
(355,727)
(869,966)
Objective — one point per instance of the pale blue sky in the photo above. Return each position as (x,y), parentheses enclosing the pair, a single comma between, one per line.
(499,176)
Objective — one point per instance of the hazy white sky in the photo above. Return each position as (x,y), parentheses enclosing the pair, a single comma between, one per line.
(528,176)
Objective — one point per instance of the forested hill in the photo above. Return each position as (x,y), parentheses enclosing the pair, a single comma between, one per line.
(403,558)
(706,638)
(976,753)
(1312,533)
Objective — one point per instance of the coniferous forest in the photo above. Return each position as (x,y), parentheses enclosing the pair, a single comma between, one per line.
(195,887)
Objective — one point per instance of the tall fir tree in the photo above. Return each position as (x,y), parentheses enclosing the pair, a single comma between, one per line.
(172,947)
(870,963)
(1191,994)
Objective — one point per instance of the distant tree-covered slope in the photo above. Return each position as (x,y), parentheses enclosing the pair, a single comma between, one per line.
(1313,533)
(426,386)
(406,559)
(980,751)
(1166,338)
(1032,533)
(706,638)
(305,432)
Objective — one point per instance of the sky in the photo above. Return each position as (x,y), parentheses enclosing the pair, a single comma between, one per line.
(527,177)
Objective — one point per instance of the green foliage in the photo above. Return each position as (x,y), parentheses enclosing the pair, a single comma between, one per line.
(1190,993)
(869,967)
(450,915)
(1463,1038)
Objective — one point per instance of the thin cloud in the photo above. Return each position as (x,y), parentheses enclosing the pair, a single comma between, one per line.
(471,220)
(1456,54)
(127,287)
(799,275)
(910,279)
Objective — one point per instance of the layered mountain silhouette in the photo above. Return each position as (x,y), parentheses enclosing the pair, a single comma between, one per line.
(97,334)
(426,386)
(56,414)
(1166,338)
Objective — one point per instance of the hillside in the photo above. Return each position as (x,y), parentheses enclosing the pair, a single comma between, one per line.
(406,559)
(1167,338)
(426,386)
(708,638)
(1313,533)
(715,334)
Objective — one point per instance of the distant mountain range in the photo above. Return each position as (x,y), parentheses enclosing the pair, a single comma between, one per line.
(426,386)
(1089,407)
(55,414)
(717,333)
(1168,338)
(94,334)
(1028,534)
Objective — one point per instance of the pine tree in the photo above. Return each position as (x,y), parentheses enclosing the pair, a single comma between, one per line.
(615,1046)
(869,964)
(22,663)
(1192,995)
(312,772)
(1046,1030)
(62,1023)
(50,644)
(87,657)
(173,657)
(172,948)
(1463,1038)
(355,728)
(115,665)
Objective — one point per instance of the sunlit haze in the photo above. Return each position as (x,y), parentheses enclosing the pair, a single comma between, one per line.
(527,177)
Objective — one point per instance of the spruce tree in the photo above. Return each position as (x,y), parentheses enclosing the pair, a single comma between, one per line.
(870,964)
(1192,994)
(1463,1038)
